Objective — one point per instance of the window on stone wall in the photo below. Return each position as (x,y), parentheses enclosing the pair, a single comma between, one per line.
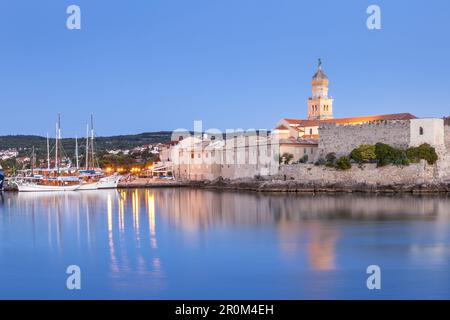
(421,131)
(310,131)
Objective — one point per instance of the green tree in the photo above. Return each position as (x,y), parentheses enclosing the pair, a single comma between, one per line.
(286,158)
(364,153)
(424,151)
(385,154)
(343,163)
(330,159)
(304,159)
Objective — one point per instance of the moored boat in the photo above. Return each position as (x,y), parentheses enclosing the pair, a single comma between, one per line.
(50,179)
(92,177)
(2,178)
(39,183)
(93,180)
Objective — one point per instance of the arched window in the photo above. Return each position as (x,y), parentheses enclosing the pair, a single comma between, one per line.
(421,131)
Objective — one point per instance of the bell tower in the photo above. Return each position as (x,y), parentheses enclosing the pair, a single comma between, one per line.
(320,105)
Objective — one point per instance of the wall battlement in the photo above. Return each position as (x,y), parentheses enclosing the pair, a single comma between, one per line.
(342,139)
(371,124)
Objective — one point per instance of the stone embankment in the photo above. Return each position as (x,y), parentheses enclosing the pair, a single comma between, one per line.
(274,185)
(150,183)
(415,178)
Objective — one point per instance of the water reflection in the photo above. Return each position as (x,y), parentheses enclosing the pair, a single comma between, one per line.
(145,238)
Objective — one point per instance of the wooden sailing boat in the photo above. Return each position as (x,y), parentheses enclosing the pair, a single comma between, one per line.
(92,176)
(56,179)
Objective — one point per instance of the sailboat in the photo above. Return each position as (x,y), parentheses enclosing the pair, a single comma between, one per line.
(92,177)
(2,177)
(56,179)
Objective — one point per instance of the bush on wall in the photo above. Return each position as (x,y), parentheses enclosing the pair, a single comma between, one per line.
(330,159)
(365,153)
(343,163)
(386,154)
(424,151)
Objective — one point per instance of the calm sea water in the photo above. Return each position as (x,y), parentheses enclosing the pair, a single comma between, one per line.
(197,244)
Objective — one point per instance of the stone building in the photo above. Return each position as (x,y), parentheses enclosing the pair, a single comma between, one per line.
(201,158)
(343,138)
(240,156)
(447,132)
(307,132)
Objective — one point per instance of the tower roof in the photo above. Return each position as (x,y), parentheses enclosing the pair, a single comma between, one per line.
(320,75)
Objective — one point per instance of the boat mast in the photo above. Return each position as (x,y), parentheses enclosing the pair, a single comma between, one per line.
(92,141)
(87,146)
(56,145)
(76,152)
(33,159)
(48,154)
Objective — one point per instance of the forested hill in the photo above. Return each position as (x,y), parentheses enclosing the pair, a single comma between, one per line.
(24,143)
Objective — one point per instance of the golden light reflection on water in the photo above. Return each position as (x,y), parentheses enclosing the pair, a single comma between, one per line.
(112,251)
(122,200)
(321,248)
(150,203)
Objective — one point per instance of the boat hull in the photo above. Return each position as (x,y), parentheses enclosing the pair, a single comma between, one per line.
(109,182)
(42,188)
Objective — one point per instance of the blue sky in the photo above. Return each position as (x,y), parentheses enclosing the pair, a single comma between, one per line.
(161,64)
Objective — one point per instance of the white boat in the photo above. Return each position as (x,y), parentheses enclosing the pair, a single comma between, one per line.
(39,184)
(92,177)
(2,178)
(107,182)
(57,179)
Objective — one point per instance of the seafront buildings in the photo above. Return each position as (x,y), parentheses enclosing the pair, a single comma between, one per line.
(249,154)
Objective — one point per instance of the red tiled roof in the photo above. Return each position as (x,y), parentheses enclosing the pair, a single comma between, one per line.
(303,122)
(351,120)
(281,127)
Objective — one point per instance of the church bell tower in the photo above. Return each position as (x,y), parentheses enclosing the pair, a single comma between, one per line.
(320,105)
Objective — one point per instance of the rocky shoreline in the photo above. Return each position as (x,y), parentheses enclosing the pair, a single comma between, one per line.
(286,186)
(292,186)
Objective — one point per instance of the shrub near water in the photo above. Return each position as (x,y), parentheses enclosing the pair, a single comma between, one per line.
(343,163)
(385,154)
(330,159)
(424,151)
(364,153)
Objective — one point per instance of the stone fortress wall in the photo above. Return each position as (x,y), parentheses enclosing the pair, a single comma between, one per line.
(369,174)
(447,136)
(342,139)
